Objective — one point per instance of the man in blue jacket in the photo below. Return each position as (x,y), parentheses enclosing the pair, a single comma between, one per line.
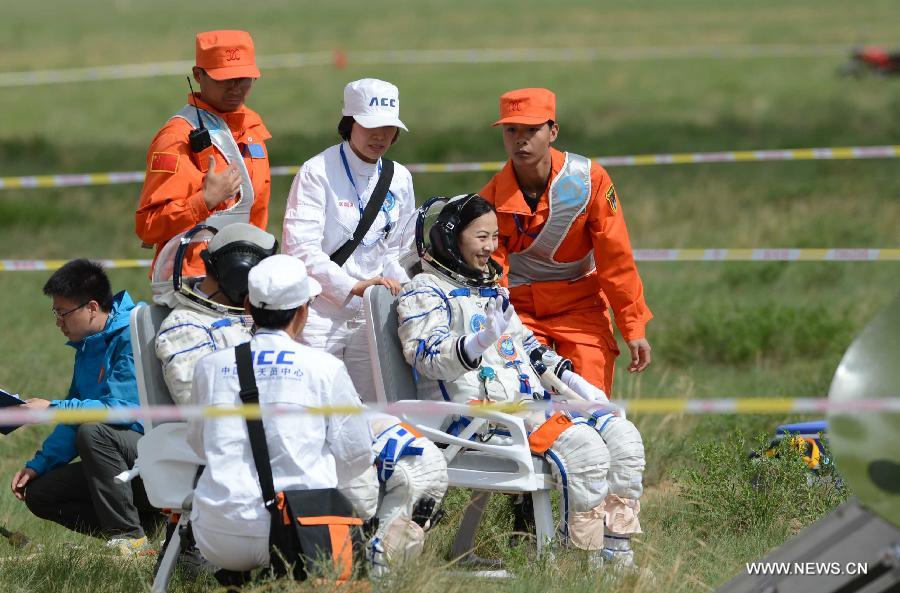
(83,496)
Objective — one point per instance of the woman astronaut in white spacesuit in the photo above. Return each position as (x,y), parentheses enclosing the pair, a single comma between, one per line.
(466,343)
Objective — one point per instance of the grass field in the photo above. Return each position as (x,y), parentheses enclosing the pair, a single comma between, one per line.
(720,329)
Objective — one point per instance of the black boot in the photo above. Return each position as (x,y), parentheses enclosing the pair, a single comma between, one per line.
(523,519)
(232,580)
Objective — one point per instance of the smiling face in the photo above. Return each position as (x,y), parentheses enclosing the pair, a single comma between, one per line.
(370,144)
(223,95)
(527,145)
(479,240)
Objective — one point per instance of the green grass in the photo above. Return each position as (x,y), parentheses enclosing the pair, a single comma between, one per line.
(720,329)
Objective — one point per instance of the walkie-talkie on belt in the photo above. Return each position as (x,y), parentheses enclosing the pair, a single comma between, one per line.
(199,138)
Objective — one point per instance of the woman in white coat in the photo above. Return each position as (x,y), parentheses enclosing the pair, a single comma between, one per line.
(327,201)
(324,208)
(466,343)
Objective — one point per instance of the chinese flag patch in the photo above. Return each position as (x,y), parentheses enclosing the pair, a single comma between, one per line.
(164,162)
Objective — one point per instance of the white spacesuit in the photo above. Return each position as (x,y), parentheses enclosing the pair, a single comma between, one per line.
(466,343)
(189,333)
(201,323)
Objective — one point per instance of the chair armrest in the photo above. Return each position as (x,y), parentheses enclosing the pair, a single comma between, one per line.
(428,416)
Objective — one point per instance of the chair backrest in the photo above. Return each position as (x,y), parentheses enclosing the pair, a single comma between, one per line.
(152,389)
(392,375)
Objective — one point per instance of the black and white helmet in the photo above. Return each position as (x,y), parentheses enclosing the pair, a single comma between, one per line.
(437,241)
(228,254)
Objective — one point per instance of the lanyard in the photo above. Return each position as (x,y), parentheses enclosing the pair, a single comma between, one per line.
(359,204)
(521,228)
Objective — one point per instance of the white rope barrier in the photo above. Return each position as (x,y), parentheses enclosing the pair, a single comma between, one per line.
(340,59)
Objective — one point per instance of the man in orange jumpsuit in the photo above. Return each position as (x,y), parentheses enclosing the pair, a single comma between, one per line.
(563,246)
(215,173)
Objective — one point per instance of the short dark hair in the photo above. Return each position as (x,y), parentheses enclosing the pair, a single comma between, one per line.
(345,128)
(474,207)
(81,280)
(272,318)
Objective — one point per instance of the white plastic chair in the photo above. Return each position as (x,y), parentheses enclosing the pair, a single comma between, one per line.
(166,464)
(484,467)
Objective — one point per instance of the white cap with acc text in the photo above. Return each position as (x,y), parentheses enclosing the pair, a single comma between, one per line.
(280,283)
(373,103)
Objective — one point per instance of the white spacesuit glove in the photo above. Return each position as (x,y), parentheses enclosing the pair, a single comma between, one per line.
(582,387)
(497,320)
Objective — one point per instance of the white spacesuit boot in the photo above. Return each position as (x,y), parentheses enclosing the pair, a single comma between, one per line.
(413,475)
(621,507)
(579,461)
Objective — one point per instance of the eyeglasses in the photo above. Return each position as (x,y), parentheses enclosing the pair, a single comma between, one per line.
(59,315)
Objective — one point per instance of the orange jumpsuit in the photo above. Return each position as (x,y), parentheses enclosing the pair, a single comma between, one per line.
(572,316)
(172,197)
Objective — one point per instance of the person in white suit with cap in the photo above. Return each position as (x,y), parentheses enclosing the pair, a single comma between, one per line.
(347,219)
(231,523)
(326,204)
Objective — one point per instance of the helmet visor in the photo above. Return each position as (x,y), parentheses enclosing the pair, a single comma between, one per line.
(179,262)
(426,217)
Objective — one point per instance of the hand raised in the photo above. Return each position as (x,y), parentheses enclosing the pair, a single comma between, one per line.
(496,322)
(218,187)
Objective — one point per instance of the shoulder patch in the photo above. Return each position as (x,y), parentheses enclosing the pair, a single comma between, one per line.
(256,151)
(612,198)
(164,162)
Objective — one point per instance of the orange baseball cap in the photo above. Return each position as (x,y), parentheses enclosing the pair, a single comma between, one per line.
(527,106)
(226,54)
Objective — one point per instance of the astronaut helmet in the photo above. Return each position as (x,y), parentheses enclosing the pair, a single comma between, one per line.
(439,222)
(227,255)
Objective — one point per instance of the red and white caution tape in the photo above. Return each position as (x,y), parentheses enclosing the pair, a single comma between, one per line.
(340,59)
(731,156)
(665,255)
(13,416)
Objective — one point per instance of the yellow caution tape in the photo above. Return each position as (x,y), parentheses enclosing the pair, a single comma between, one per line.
(795,154)
(753,405)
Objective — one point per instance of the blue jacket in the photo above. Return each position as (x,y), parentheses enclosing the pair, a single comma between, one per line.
(103,378)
